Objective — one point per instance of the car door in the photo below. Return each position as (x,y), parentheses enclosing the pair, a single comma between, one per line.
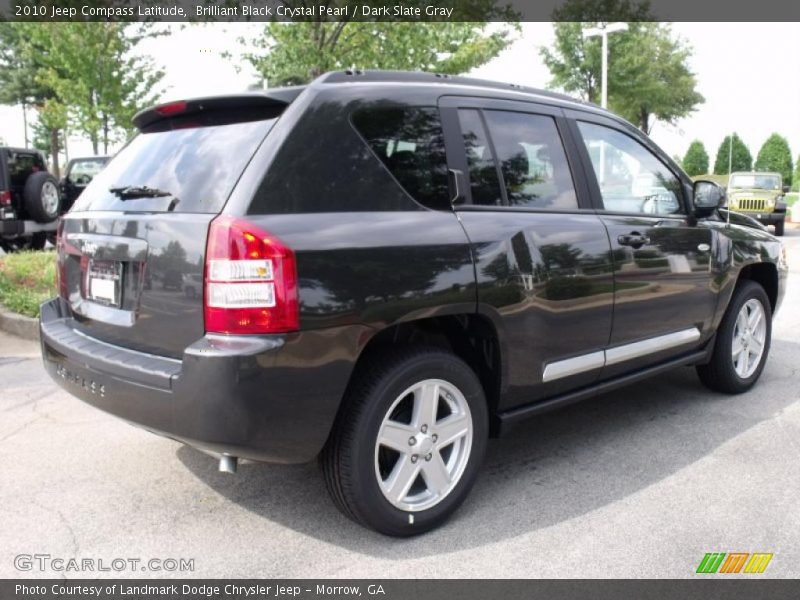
(664,289)
(542,255)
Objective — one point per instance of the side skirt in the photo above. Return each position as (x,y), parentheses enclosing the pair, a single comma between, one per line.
(505,420)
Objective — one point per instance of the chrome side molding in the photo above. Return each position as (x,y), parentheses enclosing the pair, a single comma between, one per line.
(600,358)
(573,366)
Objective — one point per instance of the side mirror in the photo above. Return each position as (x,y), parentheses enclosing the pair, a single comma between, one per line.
(708,197)
(786,189)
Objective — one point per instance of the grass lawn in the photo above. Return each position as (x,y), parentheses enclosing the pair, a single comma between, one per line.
(26,280)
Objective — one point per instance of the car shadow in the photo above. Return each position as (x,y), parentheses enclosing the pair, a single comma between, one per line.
(554,468)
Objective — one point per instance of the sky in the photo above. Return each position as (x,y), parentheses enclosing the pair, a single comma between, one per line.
(746,72)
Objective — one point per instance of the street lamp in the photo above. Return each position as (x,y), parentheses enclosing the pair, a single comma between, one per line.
(602,30)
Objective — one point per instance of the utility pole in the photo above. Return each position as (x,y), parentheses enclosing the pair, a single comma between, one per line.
(730,168)
(25,122)
(602,30)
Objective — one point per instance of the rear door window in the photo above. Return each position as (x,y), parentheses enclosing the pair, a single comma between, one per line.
(410,143)
(483,179)
(195,163)
(532,160)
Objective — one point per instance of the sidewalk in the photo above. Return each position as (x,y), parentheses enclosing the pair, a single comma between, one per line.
(11,345)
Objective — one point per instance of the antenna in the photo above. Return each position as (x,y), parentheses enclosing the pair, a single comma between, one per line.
(730,163)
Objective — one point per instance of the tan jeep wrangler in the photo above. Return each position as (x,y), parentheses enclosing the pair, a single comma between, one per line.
(760,196)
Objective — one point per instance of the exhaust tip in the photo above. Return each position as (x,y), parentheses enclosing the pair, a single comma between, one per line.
(228,464)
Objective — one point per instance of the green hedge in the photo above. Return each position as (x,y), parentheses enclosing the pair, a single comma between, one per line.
(26,280)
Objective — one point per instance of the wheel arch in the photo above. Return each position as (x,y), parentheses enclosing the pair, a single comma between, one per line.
(470,336)
(766,275)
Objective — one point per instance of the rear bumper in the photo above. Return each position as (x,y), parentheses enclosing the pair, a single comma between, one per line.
(266,398)
(15,227)
(767,218)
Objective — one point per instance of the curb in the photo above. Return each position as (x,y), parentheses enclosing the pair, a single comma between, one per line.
(19,325)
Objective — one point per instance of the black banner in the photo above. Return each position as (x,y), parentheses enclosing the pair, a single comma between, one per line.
(392,10)
(393,589)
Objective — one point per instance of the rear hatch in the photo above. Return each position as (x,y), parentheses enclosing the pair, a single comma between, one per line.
(132,249)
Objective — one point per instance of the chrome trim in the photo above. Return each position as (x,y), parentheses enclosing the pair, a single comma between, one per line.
(601,358)
(573,366)
(651,345)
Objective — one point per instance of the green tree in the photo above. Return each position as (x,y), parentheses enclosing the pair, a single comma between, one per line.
(776,156)
(695,162)
(94,69)
(23,81)
(648,72)
(796,178)
(741,159)
(294,53)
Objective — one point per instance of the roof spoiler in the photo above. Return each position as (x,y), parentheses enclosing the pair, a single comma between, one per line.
(276,98)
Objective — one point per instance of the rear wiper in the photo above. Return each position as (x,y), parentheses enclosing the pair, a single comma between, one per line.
(129,192)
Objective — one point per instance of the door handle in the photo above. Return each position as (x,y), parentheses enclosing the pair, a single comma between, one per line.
(457,186)
(633,239)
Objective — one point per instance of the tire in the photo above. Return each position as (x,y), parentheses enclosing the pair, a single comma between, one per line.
(42,199)
(382,398)
(779,227)
(38,241)
(721,374)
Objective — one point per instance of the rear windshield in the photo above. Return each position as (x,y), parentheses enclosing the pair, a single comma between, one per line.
(195,167)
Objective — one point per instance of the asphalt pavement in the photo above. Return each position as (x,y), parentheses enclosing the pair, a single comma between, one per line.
(641,482)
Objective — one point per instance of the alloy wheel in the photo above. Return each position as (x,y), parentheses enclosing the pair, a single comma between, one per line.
(749,338)
(423,445)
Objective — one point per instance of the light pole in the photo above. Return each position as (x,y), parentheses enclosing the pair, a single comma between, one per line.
(602,30)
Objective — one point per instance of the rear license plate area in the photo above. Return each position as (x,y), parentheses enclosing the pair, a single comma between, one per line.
(104,282)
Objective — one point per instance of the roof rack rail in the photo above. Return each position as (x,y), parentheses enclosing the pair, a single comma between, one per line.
(424,77)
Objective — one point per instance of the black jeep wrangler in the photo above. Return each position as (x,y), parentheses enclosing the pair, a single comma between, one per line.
(30,201)
(395,267)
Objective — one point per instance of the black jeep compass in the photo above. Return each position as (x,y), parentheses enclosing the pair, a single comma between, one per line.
(390,269)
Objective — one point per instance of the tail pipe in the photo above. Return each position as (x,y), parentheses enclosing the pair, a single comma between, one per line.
(228,464)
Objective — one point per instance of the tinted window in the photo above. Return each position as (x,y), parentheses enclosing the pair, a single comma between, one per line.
(198,166)
(532,160)
(631,178)
(21,165)
(410,143)
(82,171)
(483,179)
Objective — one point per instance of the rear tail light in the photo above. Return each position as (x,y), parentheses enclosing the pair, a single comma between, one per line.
(61,260)
(250,280)
(5,198)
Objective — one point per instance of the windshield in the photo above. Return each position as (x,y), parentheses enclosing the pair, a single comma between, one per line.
(195,167)
(756,181)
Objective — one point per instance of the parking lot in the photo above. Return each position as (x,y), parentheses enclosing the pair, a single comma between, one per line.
(641,482)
